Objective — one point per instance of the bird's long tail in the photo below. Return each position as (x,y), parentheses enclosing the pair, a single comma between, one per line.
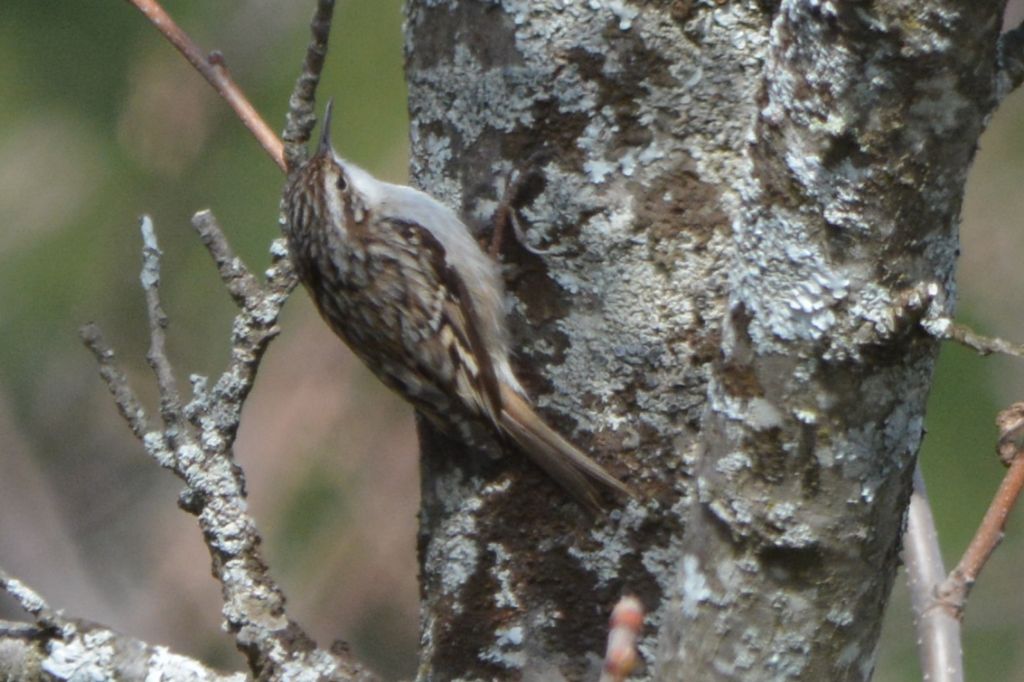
(581,476)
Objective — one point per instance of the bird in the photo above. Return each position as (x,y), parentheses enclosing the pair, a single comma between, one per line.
(401,280)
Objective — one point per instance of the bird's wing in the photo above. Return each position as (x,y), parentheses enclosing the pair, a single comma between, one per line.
(450,350)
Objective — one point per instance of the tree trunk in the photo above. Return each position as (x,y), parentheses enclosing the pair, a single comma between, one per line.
(744,210)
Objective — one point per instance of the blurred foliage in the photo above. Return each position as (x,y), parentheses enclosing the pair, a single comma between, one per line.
(101,121)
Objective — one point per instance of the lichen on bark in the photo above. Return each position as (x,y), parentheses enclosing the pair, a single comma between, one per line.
(744,209)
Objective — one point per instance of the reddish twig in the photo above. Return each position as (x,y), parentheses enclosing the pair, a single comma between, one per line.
(214,70)
(952,594)
(938,632)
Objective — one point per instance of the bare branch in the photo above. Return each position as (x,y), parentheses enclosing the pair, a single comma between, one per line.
(938,633)
(57,648)
(301,105)
(965,336)
(930,302)
(952,594)
(63,648)
(170,400)
(202,457)
(240,283)
(29,600)
(127,402)
(215,71)
(201,454)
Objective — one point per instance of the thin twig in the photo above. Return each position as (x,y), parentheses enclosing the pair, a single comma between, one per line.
(984,345)
(63,648)
(127,402)
(240,283)
(936,321)
(215,71)
(301,105)
(215,486)
(170,399)
(938,632)
(952,594)
(215,493)
(255,327)
(30,600)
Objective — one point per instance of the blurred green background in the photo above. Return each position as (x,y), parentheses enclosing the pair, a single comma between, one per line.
(102,121)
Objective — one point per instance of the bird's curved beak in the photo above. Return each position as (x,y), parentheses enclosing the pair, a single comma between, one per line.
(325,129)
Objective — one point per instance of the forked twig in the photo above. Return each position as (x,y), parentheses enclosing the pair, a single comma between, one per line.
(200,453)
(196,439)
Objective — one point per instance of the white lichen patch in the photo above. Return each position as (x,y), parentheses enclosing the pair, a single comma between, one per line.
(507,649)
(456,545)
(782,513)
(27,598)
(506,596)
(156,446)
(798,535)
(613,542)
(762,415)
(694,586)
(733,463)
(87,657)
(166,665)
(840,616)
(787,282)
(735,511)
(313,666)
(247,601)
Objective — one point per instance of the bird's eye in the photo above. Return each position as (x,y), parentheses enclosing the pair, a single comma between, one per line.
(342,183)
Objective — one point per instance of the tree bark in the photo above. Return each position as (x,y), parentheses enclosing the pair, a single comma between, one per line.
(747,210)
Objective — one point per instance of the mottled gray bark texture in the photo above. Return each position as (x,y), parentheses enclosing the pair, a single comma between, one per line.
(746,209)
(79,650)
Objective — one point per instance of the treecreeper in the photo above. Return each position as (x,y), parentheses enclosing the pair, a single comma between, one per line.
(400,278)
